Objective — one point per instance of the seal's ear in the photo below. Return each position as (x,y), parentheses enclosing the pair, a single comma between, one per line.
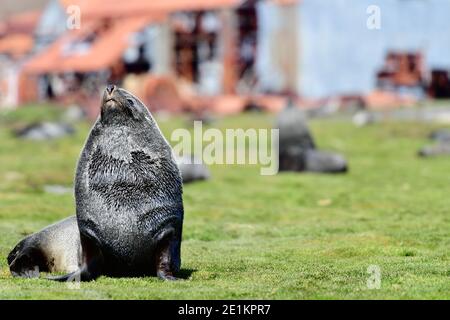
(132,109)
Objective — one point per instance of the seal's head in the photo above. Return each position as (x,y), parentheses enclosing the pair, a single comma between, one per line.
(120,106)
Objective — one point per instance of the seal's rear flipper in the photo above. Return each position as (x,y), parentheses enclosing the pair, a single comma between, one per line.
(80,275)
(74,276)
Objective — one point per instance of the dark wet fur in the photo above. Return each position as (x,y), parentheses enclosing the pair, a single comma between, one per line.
(128,192)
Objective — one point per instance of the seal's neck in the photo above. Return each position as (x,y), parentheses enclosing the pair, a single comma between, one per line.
(115,117)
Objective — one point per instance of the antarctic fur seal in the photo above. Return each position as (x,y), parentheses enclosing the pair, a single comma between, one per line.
(128,193)
(297,148)
(294,138)
(56,248)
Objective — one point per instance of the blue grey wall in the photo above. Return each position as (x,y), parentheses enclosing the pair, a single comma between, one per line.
(339,54)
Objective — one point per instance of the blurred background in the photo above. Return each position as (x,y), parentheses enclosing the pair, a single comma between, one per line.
(225,56)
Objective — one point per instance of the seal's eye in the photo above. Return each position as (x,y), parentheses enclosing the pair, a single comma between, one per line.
(130,101)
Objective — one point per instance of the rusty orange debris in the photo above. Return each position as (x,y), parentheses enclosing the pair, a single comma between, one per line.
(102,53)
(116,8)
(21,23)
(379,99)
(16,45)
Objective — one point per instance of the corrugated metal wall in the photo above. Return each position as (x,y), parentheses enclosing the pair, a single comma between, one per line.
(339,54)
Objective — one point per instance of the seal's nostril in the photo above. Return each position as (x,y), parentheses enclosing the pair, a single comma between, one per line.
(110,88)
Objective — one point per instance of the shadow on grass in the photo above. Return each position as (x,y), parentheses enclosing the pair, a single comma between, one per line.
(185,273)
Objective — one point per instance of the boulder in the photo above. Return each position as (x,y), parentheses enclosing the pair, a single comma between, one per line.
(440,135)
(439,149)
(44,131)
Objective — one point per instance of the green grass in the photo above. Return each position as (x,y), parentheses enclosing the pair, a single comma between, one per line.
(290,236)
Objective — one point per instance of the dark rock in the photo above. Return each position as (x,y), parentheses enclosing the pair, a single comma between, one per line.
(363,118)
(440,135)
(204,117)
(440,149)
(297,149)
(74,114)
(322,161)
(44,131)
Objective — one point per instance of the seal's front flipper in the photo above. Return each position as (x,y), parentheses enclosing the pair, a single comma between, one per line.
(27,263)
(92,262)
(166,259)
(34,273)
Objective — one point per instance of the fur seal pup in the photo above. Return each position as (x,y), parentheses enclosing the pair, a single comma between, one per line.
(56,248)
(297,148)
(128,193)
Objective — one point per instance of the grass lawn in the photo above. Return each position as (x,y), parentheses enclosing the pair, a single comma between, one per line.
(290,236)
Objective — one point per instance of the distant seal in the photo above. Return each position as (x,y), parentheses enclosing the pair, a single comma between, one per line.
(128,192)
(54,249)
(294,138)
(41,131)
(440,135)
(324,162)
(442,148)
(191,169)
(297,148)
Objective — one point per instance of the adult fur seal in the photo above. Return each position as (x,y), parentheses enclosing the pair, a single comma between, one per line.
(54,249)
(294,138)
(128,193)
(57,247)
